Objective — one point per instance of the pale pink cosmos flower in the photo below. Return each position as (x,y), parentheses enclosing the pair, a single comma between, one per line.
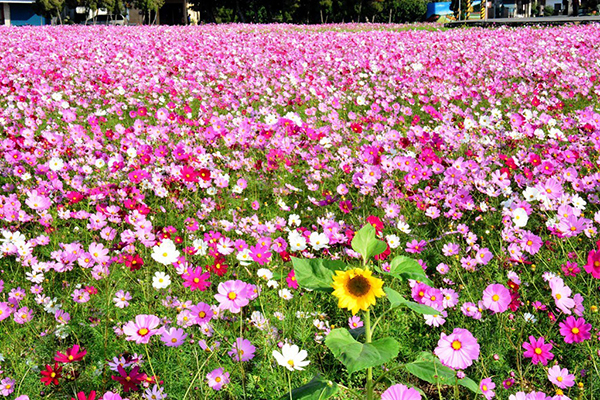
(457,350)
(561,377)
(561,293)
(400,392)
(142,329)
(233,295)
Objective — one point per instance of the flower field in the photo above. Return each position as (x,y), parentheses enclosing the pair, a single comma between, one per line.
(299,212)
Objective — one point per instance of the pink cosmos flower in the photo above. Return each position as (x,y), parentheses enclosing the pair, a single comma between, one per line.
(232,295)
(457,350)
(487,388)
(173,337)
(575,330)
(7,386)
(537,350)
(242,350)
(496,298)
(400,392)
(561,294)
(202,313)
(593,264)
(142,329)
(23,315)
(355,322)
(217,378)
(561,377)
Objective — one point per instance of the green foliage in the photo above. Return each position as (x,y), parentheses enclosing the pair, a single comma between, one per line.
(317,389)
(316,273)
(397,300)
(358,356)
(366,244)
(429,368)
(48,8)
(406,268)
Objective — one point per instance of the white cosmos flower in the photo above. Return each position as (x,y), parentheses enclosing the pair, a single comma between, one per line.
(318,240)
(297,241)
(161,280)
(291,357)
(244,257)
(520,217)
(166,253)
(56,164)
(403,227)
(285,294)
(264,273)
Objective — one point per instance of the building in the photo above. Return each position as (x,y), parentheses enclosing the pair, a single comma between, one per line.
(19,13)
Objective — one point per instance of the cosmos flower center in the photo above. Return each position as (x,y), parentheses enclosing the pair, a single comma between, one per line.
(538,351)
(128,378)
(358,286)
(596,263)
(495,297)
(202,314)
(558,296)
(232,296)
(174,340)
(196,280)
(143,332)
(560,379)
(52,375)
(291,363)
(456,345)
(484,388)
(218,379)
(575,331)
(70,358)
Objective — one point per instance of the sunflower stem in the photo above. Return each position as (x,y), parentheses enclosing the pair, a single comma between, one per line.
(368,334)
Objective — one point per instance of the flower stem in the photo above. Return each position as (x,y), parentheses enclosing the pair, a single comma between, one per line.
(290,384)
(368,333)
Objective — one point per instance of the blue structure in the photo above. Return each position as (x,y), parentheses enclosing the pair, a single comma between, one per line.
(19,13)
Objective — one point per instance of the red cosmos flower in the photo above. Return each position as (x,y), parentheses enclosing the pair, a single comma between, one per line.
(91,290)
(129,381)
(376,222)
(133,262)
(285,256)
(51,375)
(218,267)
(71,355)
(204,174)
(356,128)
(82,396)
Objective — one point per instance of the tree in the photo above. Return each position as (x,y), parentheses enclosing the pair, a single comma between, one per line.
(49,8)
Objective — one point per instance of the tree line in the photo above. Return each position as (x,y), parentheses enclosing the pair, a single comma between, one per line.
(262,11)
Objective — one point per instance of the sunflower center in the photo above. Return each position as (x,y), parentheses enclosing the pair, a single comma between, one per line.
(358,286)
(456,345)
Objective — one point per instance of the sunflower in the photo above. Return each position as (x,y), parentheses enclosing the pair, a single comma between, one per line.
(356,289)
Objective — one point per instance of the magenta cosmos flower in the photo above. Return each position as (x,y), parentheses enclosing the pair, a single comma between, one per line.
(242,350)
(561,377)
(217,378)
(575,330)
(593,264)
(232,296)
(195,279)
(537,350)
(457,350)
(400,392)
(496,298)
(142,329)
